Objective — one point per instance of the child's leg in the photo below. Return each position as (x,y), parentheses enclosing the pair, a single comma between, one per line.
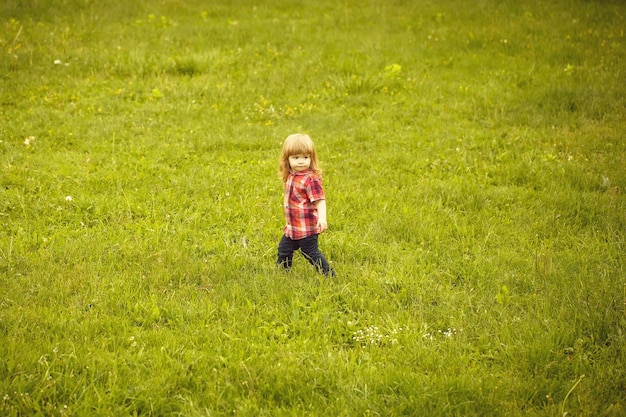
(314,256)
(285,252)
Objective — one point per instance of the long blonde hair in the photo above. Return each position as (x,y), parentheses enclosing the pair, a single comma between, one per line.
(298,143)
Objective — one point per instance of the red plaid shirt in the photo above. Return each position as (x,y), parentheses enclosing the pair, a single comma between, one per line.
(302,190)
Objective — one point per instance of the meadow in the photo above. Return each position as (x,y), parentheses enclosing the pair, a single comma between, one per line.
(473,157)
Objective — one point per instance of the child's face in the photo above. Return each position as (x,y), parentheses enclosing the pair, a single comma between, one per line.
(299,162)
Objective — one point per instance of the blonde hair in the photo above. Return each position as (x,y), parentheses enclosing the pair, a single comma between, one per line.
(296,144)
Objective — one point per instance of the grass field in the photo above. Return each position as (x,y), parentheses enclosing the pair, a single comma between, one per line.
(473,157)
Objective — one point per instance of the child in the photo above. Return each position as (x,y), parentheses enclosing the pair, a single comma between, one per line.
(305,204)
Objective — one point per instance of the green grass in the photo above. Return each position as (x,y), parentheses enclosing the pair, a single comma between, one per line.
(473,163)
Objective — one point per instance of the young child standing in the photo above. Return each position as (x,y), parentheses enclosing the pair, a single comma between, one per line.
(304,204)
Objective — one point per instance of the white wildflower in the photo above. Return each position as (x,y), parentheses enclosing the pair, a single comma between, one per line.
(371,335)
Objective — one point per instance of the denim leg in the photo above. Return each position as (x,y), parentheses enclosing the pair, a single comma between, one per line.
(286,247)
(311,252)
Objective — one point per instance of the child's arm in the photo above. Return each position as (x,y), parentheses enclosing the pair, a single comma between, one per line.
(322,225)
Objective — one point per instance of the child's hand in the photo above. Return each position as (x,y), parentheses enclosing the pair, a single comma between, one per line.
(321,226)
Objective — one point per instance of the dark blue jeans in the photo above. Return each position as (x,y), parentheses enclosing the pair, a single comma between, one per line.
(309,249)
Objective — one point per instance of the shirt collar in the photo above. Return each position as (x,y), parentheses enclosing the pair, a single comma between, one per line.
(306,171)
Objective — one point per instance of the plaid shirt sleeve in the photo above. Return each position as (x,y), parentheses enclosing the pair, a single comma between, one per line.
(301,192)
(314,188)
